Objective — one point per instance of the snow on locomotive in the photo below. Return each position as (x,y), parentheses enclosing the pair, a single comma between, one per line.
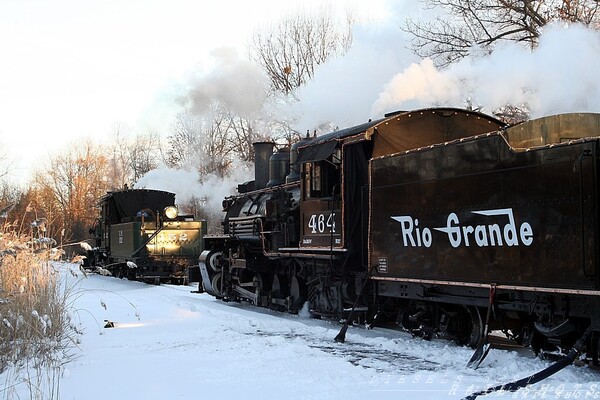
(456,222)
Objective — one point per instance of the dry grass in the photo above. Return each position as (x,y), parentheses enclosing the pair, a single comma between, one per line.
(36,333)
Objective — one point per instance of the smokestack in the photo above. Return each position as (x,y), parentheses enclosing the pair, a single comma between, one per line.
(262,153)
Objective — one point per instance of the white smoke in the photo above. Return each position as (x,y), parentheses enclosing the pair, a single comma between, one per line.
(234,81)
(184,184)
(239,86)
(210,189)
(422,82)
(344,89)
(560,75)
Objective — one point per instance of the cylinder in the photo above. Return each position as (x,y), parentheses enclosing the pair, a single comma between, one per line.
(262,153)
(279,167)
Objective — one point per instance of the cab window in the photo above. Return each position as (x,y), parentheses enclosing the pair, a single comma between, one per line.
(321,178)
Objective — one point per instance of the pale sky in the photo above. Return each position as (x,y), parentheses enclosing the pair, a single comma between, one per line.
(71,69)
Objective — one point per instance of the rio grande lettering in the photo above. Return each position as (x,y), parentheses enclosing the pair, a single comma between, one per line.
(484,235)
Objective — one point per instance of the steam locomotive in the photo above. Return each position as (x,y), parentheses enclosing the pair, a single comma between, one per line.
(452,221)
(140,235)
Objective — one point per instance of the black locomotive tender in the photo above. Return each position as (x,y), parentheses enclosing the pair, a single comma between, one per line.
(448,215)
(141,235)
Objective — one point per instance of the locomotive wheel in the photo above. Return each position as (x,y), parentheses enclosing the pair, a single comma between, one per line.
(276,298)
(212,260)
(415,318)
(216,284)
(297,294)
(471,337)
(131,274)
(258,283)
(279,288)
(121,273)
(464,325)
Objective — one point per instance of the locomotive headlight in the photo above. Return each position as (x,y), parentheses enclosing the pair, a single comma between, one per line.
(171,212)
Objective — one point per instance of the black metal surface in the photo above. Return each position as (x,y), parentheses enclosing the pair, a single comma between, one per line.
(127,203)
(435,206)
(315,153)
(279,167)
(549,194)
(262,153)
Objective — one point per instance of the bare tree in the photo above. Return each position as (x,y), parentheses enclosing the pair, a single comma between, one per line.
(275,125)
(242,133)
(4,162)
(143,154)
(10,193)
(291,50)
(464,24)
(201,141)
(10,201)
(215,149)
(70,186)
(131,156)
(120,170)
(184,140)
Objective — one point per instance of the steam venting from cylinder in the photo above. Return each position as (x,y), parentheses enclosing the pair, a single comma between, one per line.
(262,154)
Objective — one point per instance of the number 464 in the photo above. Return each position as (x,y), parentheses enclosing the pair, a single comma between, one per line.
(318,223)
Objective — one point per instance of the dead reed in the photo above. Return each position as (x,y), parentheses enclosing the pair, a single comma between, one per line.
(36,332)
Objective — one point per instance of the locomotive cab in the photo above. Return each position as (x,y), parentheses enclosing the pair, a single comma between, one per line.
(321,203)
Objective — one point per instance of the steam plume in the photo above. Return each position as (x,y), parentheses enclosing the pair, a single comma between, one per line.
(210,189)
(558,76)
(232,80)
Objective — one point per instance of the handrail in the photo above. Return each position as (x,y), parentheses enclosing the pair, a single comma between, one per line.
(146,242)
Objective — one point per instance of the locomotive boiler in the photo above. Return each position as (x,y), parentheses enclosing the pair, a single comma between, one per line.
(141,235)
(455,224)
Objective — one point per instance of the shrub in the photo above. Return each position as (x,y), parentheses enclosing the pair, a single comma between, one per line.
(36,333)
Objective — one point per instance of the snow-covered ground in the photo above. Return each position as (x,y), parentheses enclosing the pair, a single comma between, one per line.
(169,343)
